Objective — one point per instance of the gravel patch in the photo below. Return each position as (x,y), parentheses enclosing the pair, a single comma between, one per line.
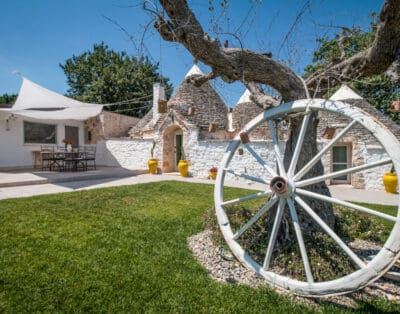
(223,267)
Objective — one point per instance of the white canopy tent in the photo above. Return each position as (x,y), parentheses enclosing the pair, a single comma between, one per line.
(37,102)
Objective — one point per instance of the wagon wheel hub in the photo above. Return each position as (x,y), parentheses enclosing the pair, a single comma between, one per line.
(281,186)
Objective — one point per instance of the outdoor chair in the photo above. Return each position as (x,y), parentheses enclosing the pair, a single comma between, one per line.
(74,160)
(79,160)
(59,157)
(90,157)
(46,156)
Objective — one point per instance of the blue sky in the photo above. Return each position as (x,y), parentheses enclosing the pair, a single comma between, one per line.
(37,35)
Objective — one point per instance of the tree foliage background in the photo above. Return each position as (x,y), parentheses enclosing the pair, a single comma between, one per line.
(8,98)
(377,89)
(105,76)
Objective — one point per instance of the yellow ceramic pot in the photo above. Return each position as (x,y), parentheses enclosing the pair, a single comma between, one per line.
(390,182)
(213,175)
(183,167)
(152,164)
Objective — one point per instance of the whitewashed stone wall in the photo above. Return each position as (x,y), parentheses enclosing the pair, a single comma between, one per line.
(202,155)
(373,177)
(126,153)
(207,154)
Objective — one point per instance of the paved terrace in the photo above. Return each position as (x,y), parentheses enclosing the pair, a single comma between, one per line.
(29,182)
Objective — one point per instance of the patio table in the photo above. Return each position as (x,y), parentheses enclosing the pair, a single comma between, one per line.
(72,160)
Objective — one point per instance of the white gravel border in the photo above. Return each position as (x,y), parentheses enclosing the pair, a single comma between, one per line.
(230,271)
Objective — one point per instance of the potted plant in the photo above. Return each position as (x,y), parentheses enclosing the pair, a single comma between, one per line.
(152,163)
(183,165)
(390,181)
(213,172)
(68,144)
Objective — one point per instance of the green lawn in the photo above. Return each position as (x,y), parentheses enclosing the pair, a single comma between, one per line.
(121,250)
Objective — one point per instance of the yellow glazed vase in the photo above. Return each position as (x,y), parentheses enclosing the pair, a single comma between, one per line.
(183,167)
(390,182)
(213,175)
(152,164)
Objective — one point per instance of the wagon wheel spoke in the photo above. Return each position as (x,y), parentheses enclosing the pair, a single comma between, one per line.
(330,232)
(299,144)
(300,240)
(261,161)
(347,204)
(256,216)
(317,157)
(274,233)
(277,150)
(246,176)
(342,172)
(247,198)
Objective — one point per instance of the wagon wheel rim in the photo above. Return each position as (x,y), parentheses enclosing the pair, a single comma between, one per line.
(293,194)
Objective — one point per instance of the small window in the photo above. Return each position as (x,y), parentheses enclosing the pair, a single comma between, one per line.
(341,161)
(39,133)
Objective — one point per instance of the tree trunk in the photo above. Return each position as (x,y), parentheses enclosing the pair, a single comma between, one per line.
(323,209)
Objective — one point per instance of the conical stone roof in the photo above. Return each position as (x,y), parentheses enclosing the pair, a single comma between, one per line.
(244,111)
(208,105)
(345,93)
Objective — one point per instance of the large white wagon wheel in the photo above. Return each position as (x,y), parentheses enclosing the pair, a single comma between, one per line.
(287,192)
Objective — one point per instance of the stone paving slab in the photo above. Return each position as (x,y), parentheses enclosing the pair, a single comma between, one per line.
(341,192)
(35,176)
(11,179)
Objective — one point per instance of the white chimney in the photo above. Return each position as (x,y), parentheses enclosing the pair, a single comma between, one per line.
(230,122)
(158,93)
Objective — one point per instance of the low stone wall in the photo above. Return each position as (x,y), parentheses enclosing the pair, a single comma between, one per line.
(373,177)
(126,153)
(203,155)
(209,154)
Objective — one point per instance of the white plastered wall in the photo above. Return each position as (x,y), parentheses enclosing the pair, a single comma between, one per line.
(14,152)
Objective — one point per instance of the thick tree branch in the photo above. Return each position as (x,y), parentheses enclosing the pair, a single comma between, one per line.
(231,64)
(393,71)
(199,80)
(374,60)
(259,98)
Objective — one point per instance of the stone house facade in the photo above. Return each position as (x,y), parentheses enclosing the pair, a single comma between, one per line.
(193,114)
(198,126)
(107,125)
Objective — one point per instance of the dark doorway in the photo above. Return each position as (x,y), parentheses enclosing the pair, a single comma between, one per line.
(72,132)
(341,161)
(178,147)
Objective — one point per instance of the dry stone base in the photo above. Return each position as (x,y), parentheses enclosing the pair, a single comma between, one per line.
(220,268)
(229,270)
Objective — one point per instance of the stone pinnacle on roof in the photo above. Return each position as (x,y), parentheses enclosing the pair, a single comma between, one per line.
(195,70)
(245,98)
(345,93)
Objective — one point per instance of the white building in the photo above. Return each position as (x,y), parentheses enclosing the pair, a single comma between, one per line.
(42,117)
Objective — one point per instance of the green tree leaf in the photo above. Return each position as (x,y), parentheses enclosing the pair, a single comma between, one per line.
(8,98)
(104,76)
(378,89)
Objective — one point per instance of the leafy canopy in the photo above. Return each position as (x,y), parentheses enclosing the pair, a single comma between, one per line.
(377,89)
(104,76)
(8,98)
